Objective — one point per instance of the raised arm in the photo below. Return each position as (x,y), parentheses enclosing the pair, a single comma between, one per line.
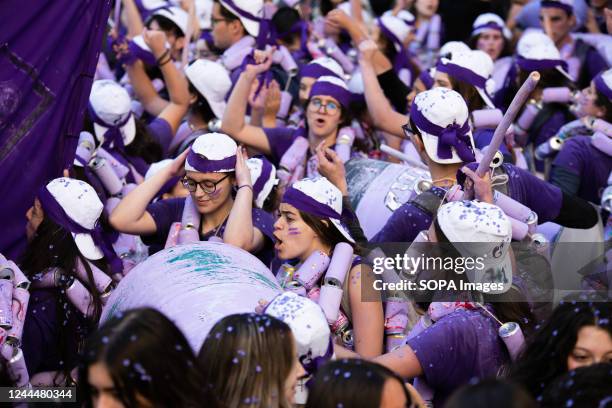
(385,118)
(239,230)
(174,110)
(131,215)
(233,123)
(134,19)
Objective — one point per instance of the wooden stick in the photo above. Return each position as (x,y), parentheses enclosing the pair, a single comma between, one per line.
(500,132)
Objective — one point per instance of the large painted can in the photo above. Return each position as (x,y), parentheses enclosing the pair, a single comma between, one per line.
(378,188)
(195,285)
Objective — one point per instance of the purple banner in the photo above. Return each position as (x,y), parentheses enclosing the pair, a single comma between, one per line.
(48,55)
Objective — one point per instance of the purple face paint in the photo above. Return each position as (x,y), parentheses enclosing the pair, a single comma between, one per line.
(294,231)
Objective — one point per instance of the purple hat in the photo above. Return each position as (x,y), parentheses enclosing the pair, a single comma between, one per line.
(322,66)
(212,153)
(567,5)
(603,83)
(490,21)
(536,51)
(334,87)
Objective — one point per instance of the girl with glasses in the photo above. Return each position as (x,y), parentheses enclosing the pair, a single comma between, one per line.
(212,170)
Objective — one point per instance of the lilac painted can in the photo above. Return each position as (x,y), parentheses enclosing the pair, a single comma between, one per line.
(195,285)
(512,335)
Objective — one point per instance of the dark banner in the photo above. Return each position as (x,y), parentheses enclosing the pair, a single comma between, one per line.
(48,56)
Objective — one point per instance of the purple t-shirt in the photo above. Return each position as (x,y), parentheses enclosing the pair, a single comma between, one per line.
(165,212)
(457,348)
(592,166)
(280,140)
(161,132)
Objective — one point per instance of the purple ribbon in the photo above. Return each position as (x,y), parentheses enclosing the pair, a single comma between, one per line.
(265,25)
(538,65)
(314,70)
(601,86)
(314,364)
(263,178)
(491,24)
(135,52)
(55,212)
(557,4)
(304,202)
(426,79)
(343,96)
(204,165)
(113,133)
(451,136)
(463,74)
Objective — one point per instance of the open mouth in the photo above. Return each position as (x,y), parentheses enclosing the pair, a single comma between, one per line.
(278,242)
(319,121)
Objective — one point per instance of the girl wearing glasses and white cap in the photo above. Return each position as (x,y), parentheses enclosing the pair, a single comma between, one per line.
(326,112)
(310,226)
(66,260)
(213,168)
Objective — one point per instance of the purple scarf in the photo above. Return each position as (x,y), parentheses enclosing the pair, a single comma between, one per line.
(113,133)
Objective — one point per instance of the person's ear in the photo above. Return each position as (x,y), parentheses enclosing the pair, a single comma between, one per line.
(192,98)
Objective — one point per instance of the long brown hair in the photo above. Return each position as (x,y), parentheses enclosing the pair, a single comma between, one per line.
(236,362)
(326,231)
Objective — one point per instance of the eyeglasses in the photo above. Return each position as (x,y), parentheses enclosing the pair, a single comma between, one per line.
(207,186)
(407,130)
(215,21)
(330,107)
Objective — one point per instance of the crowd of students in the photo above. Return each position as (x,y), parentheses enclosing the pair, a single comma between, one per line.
(236,121)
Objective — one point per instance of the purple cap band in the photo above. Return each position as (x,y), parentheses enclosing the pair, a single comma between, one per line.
(314,70)
(492,25)
(462,73)
(388,33)
(343,96)
(557,4)
(113,133)
(204,165)
(55,212)
(266,170)
(304,202)
(601,86)
(265,26)
(451,136)
(426,79)
(538,65)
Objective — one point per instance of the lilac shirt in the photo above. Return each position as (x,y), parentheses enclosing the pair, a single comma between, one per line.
(592,166)
(165,212)
(457,348)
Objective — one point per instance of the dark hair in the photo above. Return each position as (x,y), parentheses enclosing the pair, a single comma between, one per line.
(146,356)
(585,387)
(53,247)
(326,231)
(507,49)
(545,356)
(325,6)
(143,145)
(491,393)
(201,107)
(351,383)
(604,102)
(469,93)
(283,21)
(166,25)
(237,365)
(549,78)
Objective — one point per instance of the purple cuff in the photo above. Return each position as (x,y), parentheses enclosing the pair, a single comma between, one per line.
(601,86)
(204,165)
(343,96)
(538,65)
(314,70)
(304,202)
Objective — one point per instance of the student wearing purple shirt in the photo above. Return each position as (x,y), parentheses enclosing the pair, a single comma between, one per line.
(65,247)
(581,168)
(211,170)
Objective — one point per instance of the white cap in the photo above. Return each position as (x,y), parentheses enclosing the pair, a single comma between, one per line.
(453,48)
(261,167)
(213,146)
(252,7)
(212,81)
(81,203)
(306,320)
(154,168)
(479,63)
(397,27)
(404,15)
(327,63)
(492,19)
(480,230)
(175,14)
(112,104)
(442,107)
(325,193)
(535,45)
(153,4)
